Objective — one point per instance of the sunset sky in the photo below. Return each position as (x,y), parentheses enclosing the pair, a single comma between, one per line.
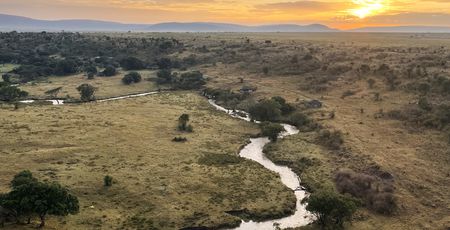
(334,13)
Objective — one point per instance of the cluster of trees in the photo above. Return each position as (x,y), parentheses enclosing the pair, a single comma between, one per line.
(271,130)
(185,81)
(29,197)
(271,109)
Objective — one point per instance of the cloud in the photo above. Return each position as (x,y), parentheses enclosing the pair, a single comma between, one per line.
(301,6)
(437,19)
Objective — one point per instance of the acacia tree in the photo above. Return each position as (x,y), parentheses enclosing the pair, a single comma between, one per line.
(87,92)
(331,209)
(29,196)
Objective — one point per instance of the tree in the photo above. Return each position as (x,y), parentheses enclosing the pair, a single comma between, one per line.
(183,123)
(6,78)
(164,63)
(266,70)
(29,196)
(53,93)
(132,63)
(132,77)
(331,209)
(91,69)
(87,92)
(371,82)
(271,130)
(190,80)
(11,93)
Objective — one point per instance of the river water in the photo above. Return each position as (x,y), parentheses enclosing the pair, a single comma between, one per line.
(254,151)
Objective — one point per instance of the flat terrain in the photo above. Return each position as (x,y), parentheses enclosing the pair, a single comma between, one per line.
(158,183)
(106,86)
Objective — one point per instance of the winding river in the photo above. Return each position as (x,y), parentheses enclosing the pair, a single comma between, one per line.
(254,151)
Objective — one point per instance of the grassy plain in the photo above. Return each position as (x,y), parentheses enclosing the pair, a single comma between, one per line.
(158,184)
(106,86)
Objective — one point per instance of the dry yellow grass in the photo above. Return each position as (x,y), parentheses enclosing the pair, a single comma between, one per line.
(158,183)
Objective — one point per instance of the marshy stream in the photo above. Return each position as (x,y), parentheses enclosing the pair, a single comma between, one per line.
(254,151)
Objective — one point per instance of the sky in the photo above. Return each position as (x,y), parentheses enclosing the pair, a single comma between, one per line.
(342,14)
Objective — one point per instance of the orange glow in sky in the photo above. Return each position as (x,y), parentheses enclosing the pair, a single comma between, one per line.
(334,13)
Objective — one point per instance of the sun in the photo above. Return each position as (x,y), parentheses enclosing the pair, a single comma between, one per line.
(368,7)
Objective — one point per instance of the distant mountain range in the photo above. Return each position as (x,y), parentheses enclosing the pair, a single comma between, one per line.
(18,23)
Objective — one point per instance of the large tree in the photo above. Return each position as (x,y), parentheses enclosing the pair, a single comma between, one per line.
(87,92)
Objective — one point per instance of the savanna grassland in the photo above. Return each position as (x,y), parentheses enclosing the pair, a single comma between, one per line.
(379,129)
(157,183)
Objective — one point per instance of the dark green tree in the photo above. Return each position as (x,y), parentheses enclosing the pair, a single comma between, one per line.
(11,93)
(132,63)
(87,92)
(331,209)
(266,110)
(183,123)
(132,77)
(109,71)
(107,181)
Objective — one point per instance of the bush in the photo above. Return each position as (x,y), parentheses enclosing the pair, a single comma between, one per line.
(377,195)
(107,181)
(164,63)
(183,123)
(109,71)
(132,77)
(285,107)
(301,121)
(132,63)
(271,130)
(91,69)
(179,139)
(164,76)
(331,209)
(87,92)
(330,139)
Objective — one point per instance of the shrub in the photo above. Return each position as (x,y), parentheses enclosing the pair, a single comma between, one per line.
(265,70)
(331,209)
(164,63)
(330,139)
(109,71)
(179,139)
(132,63)
(6,78)
(371,82)
(271,130)
(107,181)
(183,123)
(87,92)
(132,77)
(91,69)
(301,121)
(164,76)
(90,76)
(285,107)
(377,195)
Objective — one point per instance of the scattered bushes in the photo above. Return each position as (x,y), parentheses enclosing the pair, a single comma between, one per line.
(331,209)
(271,130)
(29,197)
(132,77)
(87,92)
(377,195)
(330,139)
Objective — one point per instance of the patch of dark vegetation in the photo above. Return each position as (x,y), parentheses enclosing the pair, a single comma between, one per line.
(180,139)
(183,125)
(377,195)
(11,93)
(271,130)
(219,159)
(333,139)
(132,77)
